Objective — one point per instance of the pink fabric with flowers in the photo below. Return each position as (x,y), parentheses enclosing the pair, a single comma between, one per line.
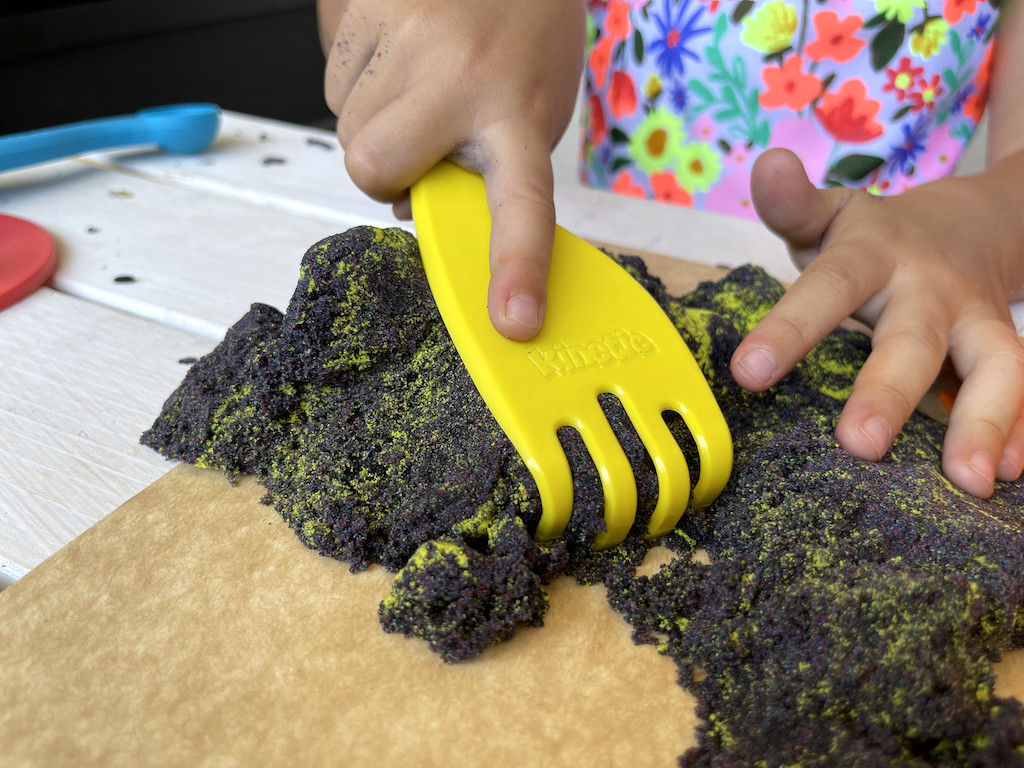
(682,95)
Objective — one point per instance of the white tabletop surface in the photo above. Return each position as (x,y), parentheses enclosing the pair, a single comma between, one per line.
(86,362)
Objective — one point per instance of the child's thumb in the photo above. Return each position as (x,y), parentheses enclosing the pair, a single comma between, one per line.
(790,205)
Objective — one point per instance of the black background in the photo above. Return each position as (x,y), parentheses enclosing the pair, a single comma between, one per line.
(63,61)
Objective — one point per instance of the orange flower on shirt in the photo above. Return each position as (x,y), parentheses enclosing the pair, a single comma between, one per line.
(666,189)
(974,107)
(788,86)
(836,39)
(954,10)
(985,70)
(849,115)
(596,124)
(624,185)
(622,95)
(617,25)
(600,59)
(902,79)
(926,94)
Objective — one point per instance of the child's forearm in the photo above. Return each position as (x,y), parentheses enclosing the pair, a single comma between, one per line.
(1010,174)
(1003,179)
(1006,95)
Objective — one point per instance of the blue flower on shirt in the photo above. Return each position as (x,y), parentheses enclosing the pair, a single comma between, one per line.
(961,98)
(679,97)
(676,31)
(980,26)
(905,154)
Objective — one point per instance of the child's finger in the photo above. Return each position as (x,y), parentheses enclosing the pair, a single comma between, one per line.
(353,48)
(520,191)
(908,350)
(402,209)
(986,415)
(399,143)
(1011,464)
(790,205)
(828,292)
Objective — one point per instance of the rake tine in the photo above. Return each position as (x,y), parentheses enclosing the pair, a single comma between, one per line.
(714,445)
(617,480)
(546,460)
(669,463)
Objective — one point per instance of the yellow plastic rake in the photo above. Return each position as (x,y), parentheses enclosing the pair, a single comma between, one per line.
(602,333)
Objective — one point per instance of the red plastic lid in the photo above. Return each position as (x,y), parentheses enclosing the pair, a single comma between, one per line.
(28,257)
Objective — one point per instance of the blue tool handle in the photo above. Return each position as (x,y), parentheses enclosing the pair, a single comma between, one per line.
(181,129)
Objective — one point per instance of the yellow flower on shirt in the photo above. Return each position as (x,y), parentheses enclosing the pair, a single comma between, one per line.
(655,145)
(652,88)
(770,28)
(901,10)
(929,40)
(697,167)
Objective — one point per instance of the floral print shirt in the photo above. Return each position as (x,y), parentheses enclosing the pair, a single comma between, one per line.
(682,95)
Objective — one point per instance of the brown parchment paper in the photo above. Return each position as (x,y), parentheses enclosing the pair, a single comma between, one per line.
(190,627)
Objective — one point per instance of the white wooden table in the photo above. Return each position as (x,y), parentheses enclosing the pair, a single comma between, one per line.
(86,362)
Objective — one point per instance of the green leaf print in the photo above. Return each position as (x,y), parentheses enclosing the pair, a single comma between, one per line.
(713,55)
(955,80)
(854,167)
(619,51)
(727,95)
(962,132)
(762,132)
(874,21)
(949,78)
(954,45)
(742,9)
(701,91)
(619,163)
(886,43)
(900,113)
(752,105)
(638,47)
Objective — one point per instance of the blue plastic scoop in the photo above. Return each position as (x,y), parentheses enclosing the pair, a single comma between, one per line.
(181,129)
(27,253)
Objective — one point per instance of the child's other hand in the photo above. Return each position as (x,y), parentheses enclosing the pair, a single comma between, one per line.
(932,270)
(490,84)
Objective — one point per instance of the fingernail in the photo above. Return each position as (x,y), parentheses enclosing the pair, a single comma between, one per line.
(983,465)
(523,310)
(1012,463)
(759,365)
(879,435)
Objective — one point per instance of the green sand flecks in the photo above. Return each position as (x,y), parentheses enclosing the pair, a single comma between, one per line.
(848,612)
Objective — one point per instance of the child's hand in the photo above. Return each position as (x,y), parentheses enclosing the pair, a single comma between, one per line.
(932,270)
(490,84)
